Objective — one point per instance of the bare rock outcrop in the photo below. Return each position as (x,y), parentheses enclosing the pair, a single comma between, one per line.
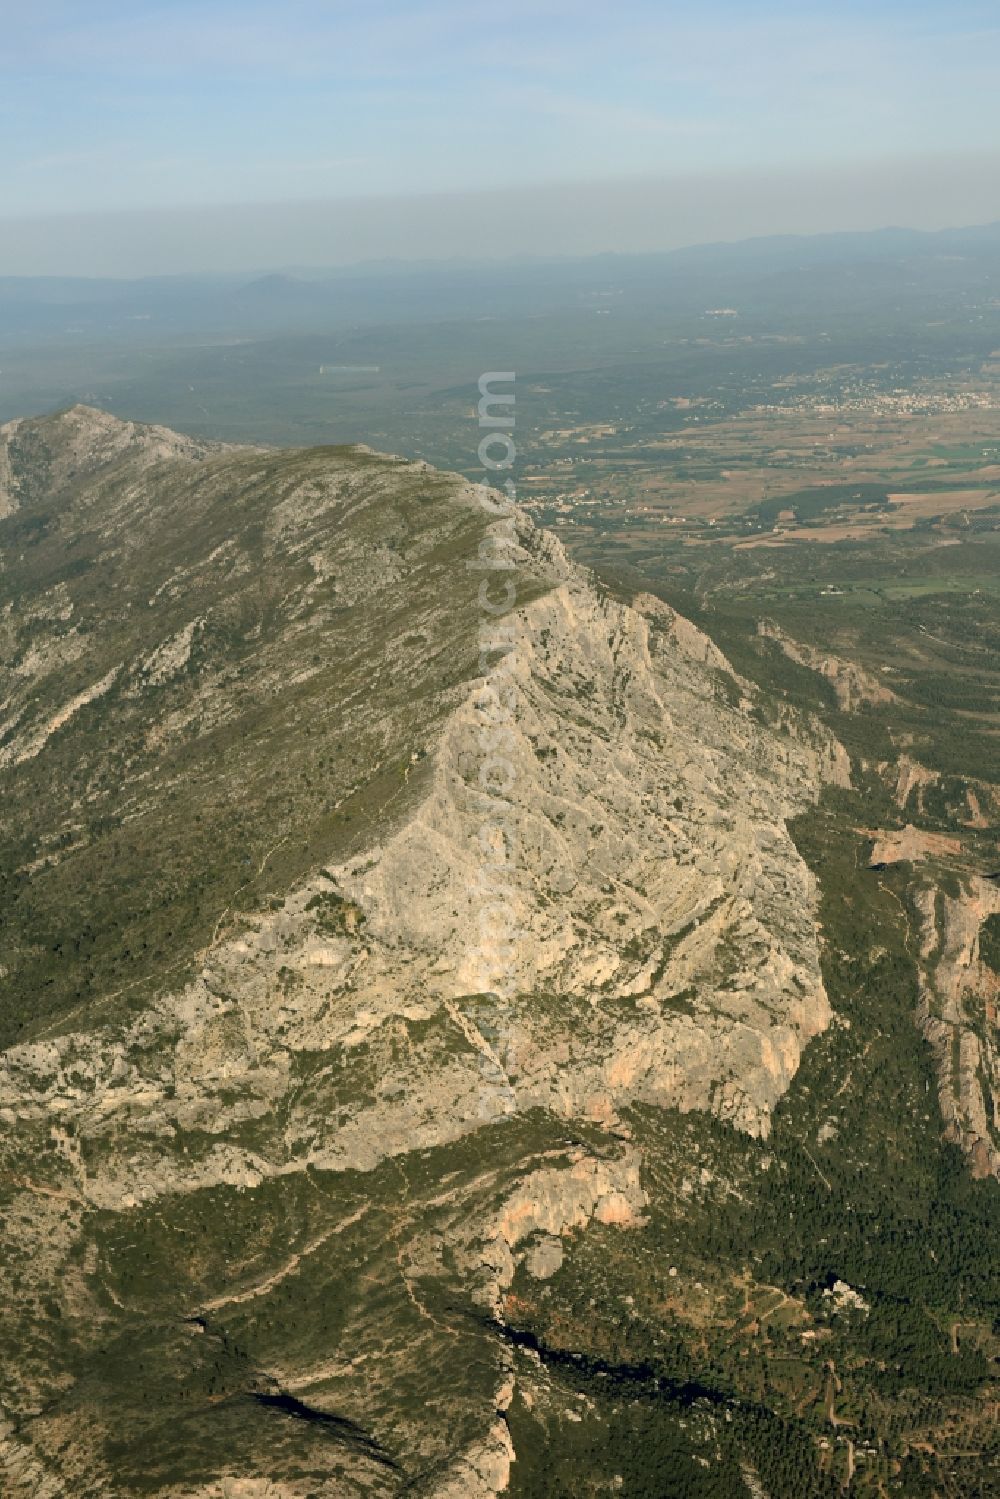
(958,1015)
(77,444)
(853,685)
(580,892)
(910,845)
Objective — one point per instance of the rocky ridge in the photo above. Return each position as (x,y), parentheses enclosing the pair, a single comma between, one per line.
(853,685)
(662,950)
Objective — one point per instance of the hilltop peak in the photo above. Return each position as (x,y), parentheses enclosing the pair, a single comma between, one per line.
(43,457)
(361,899)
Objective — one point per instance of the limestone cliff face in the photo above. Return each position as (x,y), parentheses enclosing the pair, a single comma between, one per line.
(958,1011)
(657,903)
(853,685)
(612,911)
(645,866)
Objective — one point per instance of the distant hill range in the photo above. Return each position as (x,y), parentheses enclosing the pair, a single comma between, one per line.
(388,292)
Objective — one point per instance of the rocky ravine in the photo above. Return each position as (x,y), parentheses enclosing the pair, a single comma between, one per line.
(327,1101)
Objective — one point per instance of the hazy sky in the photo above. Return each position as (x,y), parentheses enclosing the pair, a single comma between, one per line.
(132,105)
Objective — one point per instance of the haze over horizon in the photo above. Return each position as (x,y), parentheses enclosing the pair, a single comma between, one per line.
(554,220)
(159,138)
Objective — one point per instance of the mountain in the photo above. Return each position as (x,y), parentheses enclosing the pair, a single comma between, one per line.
(47,310)
(340,949)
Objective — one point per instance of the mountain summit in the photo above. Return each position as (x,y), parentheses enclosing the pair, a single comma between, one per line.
(287,1123)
